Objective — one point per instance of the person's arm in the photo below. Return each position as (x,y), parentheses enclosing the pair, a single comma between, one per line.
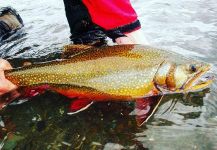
(82,29)
(5,85)
(117,18)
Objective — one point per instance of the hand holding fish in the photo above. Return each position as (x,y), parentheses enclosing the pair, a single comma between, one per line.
(112,73)
(5,85)
(135,37)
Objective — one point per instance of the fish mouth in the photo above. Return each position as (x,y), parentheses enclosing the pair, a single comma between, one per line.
(201,80)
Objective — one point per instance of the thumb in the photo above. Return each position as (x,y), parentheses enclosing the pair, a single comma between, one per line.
(5,65)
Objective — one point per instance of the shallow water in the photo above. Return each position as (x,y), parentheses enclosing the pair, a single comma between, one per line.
(188,27)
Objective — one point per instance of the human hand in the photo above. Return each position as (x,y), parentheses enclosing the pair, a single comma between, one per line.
(135,37)
(5,85)
(124,40)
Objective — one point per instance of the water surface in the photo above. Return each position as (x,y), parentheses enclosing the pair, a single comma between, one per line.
(188,27)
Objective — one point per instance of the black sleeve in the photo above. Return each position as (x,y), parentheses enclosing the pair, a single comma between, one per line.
(77,16)
(82,29)
(119,32)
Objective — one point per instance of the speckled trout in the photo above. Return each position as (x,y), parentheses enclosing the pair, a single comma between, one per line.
(122,72)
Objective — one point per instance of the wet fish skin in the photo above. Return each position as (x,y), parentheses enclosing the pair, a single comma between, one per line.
(115,72)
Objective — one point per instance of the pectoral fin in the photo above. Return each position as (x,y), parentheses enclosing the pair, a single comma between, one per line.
(7,98)
(21,93)
(145,108)
(28,92)
(79,105)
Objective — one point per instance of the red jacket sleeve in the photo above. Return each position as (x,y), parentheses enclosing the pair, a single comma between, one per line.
(112,14)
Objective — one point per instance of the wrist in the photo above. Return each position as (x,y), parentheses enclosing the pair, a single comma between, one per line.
(122,31)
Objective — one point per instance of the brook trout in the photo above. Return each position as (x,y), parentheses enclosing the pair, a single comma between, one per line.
(122,72)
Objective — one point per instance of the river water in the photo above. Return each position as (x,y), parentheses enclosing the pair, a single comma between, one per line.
(188,27)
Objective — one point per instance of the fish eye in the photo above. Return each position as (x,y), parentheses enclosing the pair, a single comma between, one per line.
(193,68)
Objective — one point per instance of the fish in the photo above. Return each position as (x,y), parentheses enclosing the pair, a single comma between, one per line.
(113,73)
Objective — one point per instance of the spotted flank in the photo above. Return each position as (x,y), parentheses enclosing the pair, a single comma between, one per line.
(114,73)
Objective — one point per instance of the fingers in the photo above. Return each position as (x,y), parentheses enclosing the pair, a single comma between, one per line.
(137,37)
(5,85)
(124,40)
(5,65)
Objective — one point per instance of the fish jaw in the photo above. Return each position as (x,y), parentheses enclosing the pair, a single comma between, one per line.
(176,78)
(199,81)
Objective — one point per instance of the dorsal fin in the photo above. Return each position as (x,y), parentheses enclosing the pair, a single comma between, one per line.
(73,49)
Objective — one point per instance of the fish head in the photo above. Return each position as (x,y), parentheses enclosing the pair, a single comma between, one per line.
(182,77)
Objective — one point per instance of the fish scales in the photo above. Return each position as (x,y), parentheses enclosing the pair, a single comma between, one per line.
(117,70)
